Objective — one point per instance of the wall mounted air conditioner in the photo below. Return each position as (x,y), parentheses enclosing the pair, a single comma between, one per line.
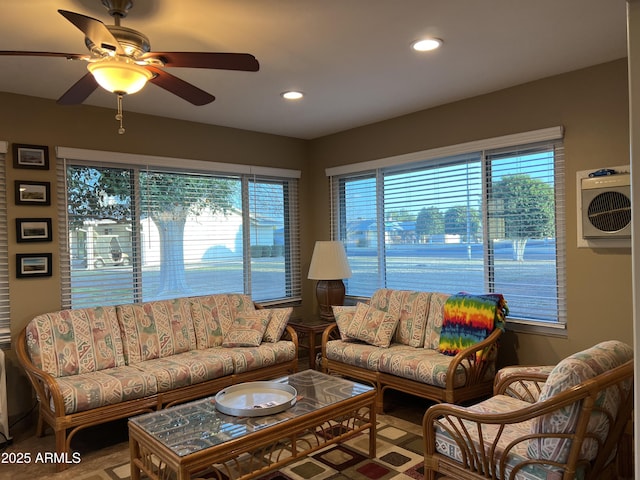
(604,213)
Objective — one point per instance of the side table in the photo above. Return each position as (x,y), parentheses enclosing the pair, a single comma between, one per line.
(309,330)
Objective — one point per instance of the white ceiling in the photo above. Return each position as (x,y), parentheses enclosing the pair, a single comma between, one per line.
(350,57)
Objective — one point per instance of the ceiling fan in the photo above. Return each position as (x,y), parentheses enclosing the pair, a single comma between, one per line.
(121,61)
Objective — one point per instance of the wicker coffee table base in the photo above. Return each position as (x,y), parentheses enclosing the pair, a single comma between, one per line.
(258,452)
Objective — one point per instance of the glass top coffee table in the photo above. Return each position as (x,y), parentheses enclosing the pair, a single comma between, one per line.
(195,438)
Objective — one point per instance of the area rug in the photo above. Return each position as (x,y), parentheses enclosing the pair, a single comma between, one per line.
(399,457)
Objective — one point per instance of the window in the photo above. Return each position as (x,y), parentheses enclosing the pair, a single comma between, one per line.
(5,318)
(478,219)
(147,232)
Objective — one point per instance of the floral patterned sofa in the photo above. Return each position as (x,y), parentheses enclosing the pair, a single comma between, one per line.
(397,341)
(546,423)
(93,365)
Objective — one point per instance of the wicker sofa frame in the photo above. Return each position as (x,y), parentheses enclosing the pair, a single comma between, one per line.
(51,407)
(476,362)
(409,357)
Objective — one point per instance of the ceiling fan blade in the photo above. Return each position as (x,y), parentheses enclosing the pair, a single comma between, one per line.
(94,30)
(69,56)
(79,92)
(182,89)
(222,61)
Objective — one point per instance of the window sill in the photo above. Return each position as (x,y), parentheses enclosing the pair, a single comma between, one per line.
(547,329)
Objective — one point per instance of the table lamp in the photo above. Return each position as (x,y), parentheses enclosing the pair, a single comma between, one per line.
(329,265)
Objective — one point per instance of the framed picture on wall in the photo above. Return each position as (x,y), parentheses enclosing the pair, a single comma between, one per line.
(30,156)
(32,193)
(33,265)
(33,230)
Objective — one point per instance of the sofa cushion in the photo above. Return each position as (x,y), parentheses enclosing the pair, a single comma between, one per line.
(278,320)
(267,354)
(413,319)
(435,317)
(389,300)
(568,373)
(188,368)
(156,329)
(469,319)
(240,303)
(373,326)
(72,342)
(354,353)
(86,391)
(211,319)
(246,330)
(421,365)
(410,307)
(344,316)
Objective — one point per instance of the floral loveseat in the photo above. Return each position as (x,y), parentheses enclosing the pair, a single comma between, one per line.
(397,341)
(562,422)
(93,365)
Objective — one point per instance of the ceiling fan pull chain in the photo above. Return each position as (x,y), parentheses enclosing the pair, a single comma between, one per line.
(119,114)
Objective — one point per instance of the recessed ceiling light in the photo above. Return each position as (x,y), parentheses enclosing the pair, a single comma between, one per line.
(426,44)
(292,95)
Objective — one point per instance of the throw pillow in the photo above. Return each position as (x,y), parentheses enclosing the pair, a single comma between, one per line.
(373,326)
(246,330)
(344,316)
(278,319)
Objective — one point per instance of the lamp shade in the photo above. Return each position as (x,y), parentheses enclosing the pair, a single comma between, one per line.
(329,261)
(120,75)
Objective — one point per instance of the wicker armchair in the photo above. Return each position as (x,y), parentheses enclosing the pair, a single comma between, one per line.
(567,426)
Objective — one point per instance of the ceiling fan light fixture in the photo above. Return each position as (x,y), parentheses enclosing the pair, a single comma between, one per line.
(120,75)
(426,44)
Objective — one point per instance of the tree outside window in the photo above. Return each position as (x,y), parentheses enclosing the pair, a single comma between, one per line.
(139,235)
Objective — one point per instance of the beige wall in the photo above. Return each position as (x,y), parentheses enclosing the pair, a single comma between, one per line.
(591,104)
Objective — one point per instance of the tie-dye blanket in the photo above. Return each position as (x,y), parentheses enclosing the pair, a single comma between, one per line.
(469,319)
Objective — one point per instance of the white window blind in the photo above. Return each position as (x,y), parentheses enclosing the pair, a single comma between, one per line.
(148,232)
(485,221)
(5,317)
(274,230)
(526,229)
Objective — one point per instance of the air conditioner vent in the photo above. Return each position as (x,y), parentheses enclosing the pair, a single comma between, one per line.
(610,211)
(606,206)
